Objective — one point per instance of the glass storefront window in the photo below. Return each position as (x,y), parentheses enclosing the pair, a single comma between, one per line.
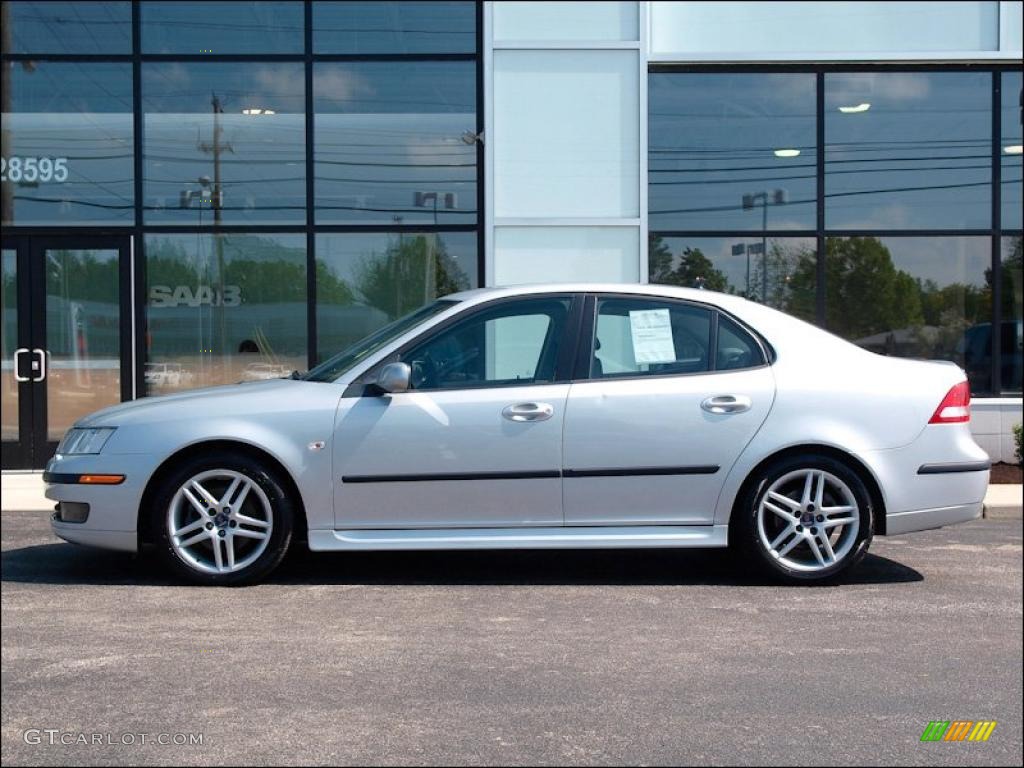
(83,334)
(66,27)
(223,308)
(222,27)
(394,27)
(785,279)
(9,424)
(732,151)
(1012,351)
(924,297)
(395,142)
(366,280)
(1011,151)
(67,143)
(224,143)
(908,150)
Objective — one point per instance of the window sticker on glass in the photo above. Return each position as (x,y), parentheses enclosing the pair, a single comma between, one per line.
(652,336)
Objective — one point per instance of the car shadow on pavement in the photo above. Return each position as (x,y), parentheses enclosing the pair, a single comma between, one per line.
(67,564)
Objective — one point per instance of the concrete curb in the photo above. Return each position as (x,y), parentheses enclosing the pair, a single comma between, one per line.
(1003,502)
(23,492)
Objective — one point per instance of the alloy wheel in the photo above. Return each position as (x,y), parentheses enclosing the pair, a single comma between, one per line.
(219,521)
(808,520)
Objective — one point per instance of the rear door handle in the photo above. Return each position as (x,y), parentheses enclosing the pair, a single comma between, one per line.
(528,412)
(726,404)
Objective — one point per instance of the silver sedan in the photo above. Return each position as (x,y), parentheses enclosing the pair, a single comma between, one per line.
(556,416)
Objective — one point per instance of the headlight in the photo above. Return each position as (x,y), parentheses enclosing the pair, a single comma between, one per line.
(92,440)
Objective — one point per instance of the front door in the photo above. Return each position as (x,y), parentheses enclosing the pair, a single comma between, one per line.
(477,441)
(65,336)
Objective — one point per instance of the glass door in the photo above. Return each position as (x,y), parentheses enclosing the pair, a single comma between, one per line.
(67,338)
(15,394)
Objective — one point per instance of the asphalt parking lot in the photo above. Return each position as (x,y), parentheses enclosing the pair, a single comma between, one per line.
(653,657)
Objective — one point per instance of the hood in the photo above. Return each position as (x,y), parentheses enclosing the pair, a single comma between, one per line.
(223,398)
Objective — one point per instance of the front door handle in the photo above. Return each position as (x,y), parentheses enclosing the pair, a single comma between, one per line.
(42,364)
(17,354)
(726,404)
(528,412)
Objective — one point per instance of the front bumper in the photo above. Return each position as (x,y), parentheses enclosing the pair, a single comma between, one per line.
(113,517)
(80,533)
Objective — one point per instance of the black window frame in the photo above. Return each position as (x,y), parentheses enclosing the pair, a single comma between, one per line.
(995,231)
(137,230)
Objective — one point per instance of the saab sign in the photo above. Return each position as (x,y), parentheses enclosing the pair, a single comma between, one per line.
(202,296)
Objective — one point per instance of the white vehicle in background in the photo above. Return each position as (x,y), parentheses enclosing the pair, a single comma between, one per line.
(558,416)
(262,371)
(166,375)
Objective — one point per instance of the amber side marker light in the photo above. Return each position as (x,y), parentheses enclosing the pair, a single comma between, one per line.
(101,479)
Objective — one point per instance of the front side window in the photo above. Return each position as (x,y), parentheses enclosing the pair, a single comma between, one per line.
(513,343)
(638,337)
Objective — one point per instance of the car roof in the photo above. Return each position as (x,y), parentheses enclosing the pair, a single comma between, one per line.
(669,291)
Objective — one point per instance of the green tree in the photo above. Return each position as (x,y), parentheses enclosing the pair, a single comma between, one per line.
(802,297)
(414,270)
(692,269)
(1013,279)
(331,289)
(772,279)
(659,259)
(865,292)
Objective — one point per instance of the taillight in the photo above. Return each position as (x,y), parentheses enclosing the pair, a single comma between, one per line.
(955,406)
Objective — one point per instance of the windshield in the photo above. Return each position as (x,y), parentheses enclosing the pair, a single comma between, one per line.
(331,369)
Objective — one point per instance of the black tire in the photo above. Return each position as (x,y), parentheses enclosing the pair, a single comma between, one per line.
(282,509)
(754,552)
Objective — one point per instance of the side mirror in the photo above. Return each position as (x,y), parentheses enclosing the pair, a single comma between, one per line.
(394,378)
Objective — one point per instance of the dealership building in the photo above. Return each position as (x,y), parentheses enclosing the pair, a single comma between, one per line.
(197,193)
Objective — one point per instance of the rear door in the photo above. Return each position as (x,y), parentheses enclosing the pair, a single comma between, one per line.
(666,398)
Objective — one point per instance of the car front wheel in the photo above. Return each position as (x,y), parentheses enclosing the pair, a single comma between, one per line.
(805,519)
(222,520)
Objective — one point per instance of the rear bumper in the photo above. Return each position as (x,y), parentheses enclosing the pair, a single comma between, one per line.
(939,479)
(924,519)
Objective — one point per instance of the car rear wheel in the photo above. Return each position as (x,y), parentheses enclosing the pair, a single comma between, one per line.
(805,519)
(222,520)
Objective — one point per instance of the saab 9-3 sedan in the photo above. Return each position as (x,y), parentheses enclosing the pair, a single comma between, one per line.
(556,416)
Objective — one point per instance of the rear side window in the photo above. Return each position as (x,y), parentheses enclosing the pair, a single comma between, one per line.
(636,337)
(736,348)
